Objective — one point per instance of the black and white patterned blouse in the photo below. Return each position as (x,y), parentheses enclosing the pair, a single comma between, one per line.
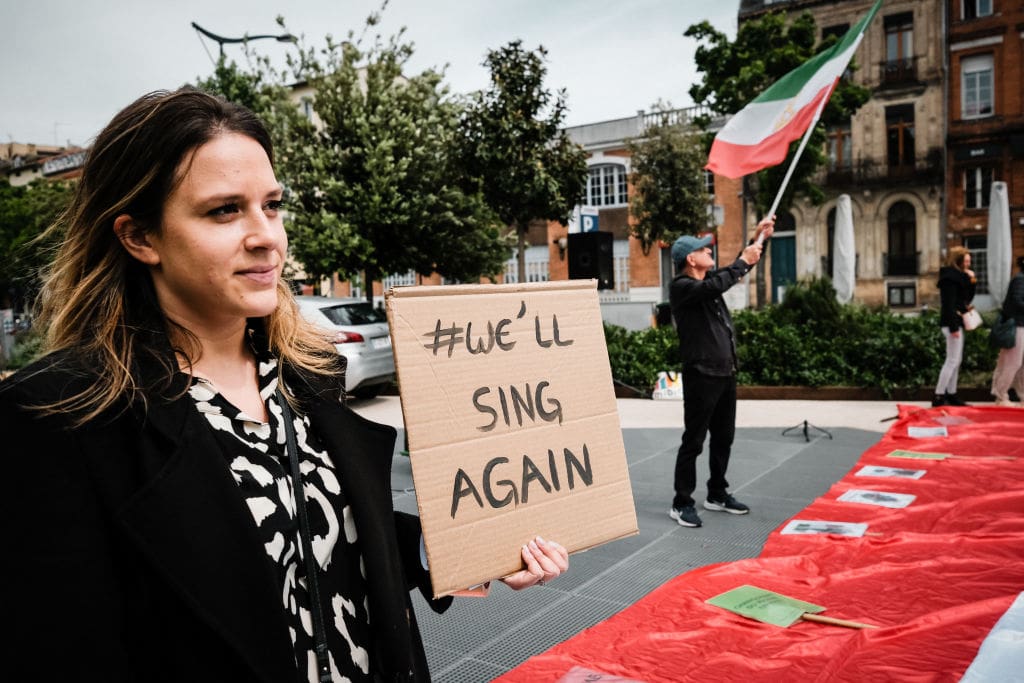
(255,452)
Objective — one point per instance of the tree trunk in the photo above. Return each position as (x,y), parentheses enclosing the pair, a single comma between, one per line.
(368,276)
(521,231)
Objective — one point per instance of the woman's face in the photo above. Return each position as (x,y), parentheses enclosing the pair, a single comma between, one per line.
(967,261)
(221,244)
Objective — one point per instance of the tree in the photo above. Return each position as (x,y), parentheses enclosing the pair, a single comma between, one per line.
(669,196)
(25,213)
(734,73)
(524,164)
(373,186)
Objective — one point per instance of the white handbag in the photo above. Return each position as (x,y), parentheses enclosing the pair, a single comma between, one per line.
(972,319)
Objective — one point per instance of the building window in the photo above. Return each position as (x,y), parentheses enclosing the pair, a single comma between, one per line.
(898,66)
(899,123)
(620,265)
(537,265)
(606,185)
(977,185)
(709,183)
(978,246)
(901,293)
(976,79)
(835,33)
(972,9)
(840,148)
(901,258)
(899,37)
(405,279)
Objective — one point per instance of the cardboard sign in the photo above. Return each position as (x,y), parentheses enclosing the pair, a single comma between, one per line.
(512,423)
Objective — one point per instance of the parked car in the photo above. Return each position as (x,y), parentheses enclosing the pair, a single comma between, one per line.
(360,334)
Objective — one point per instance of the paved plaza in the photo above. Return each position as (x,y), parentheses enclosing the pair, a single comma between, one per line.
(775,469)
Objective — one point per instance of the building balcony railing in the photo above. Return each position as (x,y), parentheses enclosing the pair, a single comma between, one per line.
(927,168)
(898,72)
(901,264)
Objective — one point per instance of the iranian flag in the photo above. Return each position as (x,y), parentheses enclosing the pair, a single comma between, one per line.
(759,135)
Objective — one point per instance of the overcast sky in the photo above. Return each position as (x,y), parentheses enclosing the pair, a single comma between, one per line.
(67,66)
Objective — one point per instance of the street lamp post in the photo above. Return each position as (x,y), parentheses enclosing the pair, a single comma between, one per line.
(221,40)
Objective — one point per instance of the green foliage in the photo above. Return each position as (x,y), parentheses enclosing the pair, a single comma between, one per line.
(811,302)
(637,357)
(27,347)
(513,148)
(25,213)
(736,72)
(809,340)
(861,347)
(669,197)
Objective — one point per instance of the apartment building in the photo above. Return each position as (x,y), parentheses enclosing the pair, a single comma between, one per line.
(986,122)
(21,163)
(888,158)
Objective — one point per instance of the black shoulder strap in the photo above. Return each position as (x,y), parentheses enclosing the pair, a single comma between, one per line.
(312,583)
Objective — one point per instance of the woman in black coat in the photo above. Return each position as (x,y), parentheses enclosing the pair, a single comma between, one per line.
(956,291)
(153,527)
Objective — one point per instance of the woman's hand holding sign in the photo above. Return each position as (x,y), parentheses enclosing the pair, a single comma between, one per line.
(545,560)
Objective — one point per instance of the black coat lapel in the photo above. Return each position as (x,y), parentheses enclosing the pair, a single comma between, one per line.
(190,520)
(361,451)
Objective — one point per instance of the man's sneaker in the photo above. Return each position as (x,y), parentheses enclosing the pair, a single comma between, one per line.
(726,504)
(686,516)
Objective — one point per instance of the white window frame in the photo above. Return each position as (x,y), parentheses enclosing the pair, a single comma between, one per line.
(982,8)
(538,265)
(840,147)
(980,196)
(709,183)
(620,265)
(399,279)
(597,174)
(974,72)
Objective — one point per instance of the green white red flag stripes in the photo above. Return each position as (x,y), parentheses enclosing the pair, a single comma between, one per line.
(758,136)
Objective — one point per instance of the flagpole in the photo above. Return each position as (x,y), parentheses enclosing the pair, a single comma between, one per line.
(796,157)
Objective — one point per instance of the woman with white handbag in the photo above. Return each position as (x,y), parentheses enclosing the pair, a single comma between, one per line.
(956,290)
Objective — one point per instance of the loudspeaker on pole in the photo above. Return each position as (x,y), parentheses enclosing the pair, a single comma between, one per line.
(590,257)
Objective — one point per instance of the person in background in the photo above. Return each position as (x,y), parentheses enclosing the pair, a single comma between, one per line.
(956,291)
(1009,373)
(154,519)
(707,346)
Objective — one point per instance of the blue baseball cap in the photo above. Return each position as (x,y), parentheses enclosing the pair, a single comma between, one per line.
(686,245)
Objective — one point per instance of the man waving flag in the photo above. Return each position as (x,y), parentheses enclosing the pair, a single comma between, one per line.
(759,135)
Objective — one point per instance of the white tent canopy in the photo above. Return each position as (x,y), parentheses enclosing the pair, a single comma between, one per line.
(1000,247)
(844,256)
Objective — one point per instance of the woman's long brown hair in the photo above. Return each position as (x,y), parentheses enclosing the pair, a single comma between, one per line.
(97,301)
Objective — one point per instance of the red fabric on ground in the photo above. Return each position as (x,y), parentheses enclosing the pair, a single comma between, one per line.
(934,576)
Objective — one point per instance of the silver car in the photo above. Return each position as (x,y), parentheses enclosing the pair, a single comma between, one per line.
(361,335)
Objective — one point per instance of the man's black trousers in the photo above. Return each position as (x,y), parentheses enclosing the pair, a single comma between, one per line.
(709,406)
